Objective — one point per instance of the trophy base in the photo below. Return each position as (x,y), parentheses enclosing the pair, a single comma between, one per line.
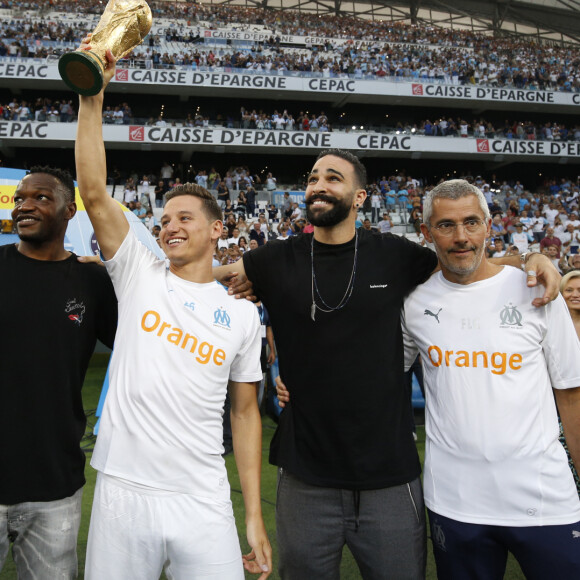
(82,71)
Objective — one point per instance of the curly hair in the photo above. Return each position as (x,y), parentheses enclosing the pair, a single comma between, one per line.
(63,177)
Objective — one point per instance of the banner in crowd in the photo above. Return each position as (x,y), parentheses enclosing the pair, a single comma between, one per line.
(266,35)
(207,139)
(228,79)
(80,237)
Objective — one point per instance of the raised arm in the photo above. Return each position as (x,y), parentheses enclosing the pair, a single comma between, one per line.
(105,213)
(247,439)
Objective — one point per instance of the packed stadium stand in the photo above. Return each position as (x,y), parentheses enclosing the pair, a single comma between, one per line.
(420,90)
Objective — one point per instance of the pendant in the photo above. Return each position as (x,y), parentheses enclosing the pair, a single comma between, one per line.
(313,311)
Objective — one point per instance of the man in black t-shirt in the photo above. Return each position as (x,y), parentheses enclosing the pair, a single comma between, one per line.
(159,192)
(53,309)
(349,467)
(250,200)
(223,194)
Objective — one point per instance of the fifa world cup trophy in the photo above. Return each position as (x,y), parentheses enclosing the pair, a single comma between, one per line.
(123,25)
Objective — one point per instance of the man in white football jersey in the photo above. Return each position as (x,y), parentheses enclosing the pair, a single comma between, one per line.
(496,477)
(162,498)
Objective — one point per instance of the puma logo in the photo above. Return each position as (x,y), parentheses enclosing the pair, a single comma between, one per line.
(435,316)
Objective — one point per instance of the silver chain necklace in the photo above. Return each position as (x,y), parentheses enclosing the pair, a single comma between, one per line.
(349,288)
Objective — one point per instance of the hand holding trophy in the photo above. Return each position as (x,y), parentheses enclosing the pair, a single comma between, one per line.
(123,26)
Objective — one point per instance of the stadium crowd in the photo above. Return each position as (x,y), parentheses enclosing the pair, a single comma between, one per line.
(412,52)
(44,109)
(546,219)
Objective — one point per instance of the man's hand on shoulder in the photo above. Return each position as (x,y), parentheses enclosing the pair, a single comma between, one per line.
(91,260)
(234,277)
(240,287)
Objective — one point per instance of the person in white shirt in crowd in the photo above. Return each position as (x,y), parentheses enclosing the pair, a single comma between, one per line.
(130,192)
(539,225)
(223,239)
(376,200)
(496,248)
(145,198)
(166,173)
(271,183)
(118,116)
(296,212)
(573,219)
(150,221)
(201,179)
(162,499)
(550,212)
(527,222)
(487,193)
(386,224)
(235,237)
(520,238)
(572,197)
(570,239)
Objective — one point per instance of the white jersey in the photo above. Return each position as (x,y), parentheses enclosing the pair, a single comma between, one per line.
(490,359)
(177,344)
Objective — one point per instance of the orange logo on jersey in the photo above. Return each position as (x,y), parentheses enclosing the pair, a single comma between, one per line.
(499,361)
(152,322)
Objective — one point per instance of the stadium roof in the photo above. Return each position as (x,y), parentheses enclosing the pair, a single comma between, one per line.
(551,20)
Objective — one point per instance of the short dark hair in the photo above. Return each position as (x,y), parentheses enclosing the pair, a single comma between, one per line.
(64,178)
(360,171)
(209,203)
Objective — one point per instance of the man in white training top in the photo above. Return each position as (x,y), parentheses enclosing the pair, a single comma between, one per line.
(496,477)
(162,498)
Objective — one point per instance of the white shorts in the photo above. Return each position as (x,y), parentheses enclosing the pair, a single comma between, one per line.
(137,531)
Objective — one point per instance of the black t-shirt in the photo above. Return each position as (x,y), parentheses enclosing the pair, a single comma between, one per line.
(348,421)
(223,193)
(250,195)
(51,315)
(159,192)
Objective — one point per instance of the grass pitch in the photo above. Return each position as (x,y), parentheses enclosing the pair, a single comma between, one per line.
(349,570)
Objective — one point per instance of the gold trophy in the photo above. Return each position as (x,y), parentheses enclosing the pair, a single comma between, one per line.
(123,25)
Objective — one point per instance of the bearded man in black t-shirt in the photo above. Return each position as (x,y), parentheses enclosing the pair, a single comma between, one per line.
(349,469)
(53,309)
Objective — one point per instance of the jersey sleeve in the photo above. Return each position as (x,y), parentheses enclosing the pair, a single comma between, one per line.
(131,257)
(561,346)
(246,367)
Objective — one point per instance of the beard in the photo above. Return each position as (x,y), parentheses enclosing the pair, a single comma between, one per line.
(339,211)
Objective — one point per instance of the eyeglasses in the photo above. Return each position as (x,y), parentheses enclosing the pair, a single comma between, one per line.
(471,226)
